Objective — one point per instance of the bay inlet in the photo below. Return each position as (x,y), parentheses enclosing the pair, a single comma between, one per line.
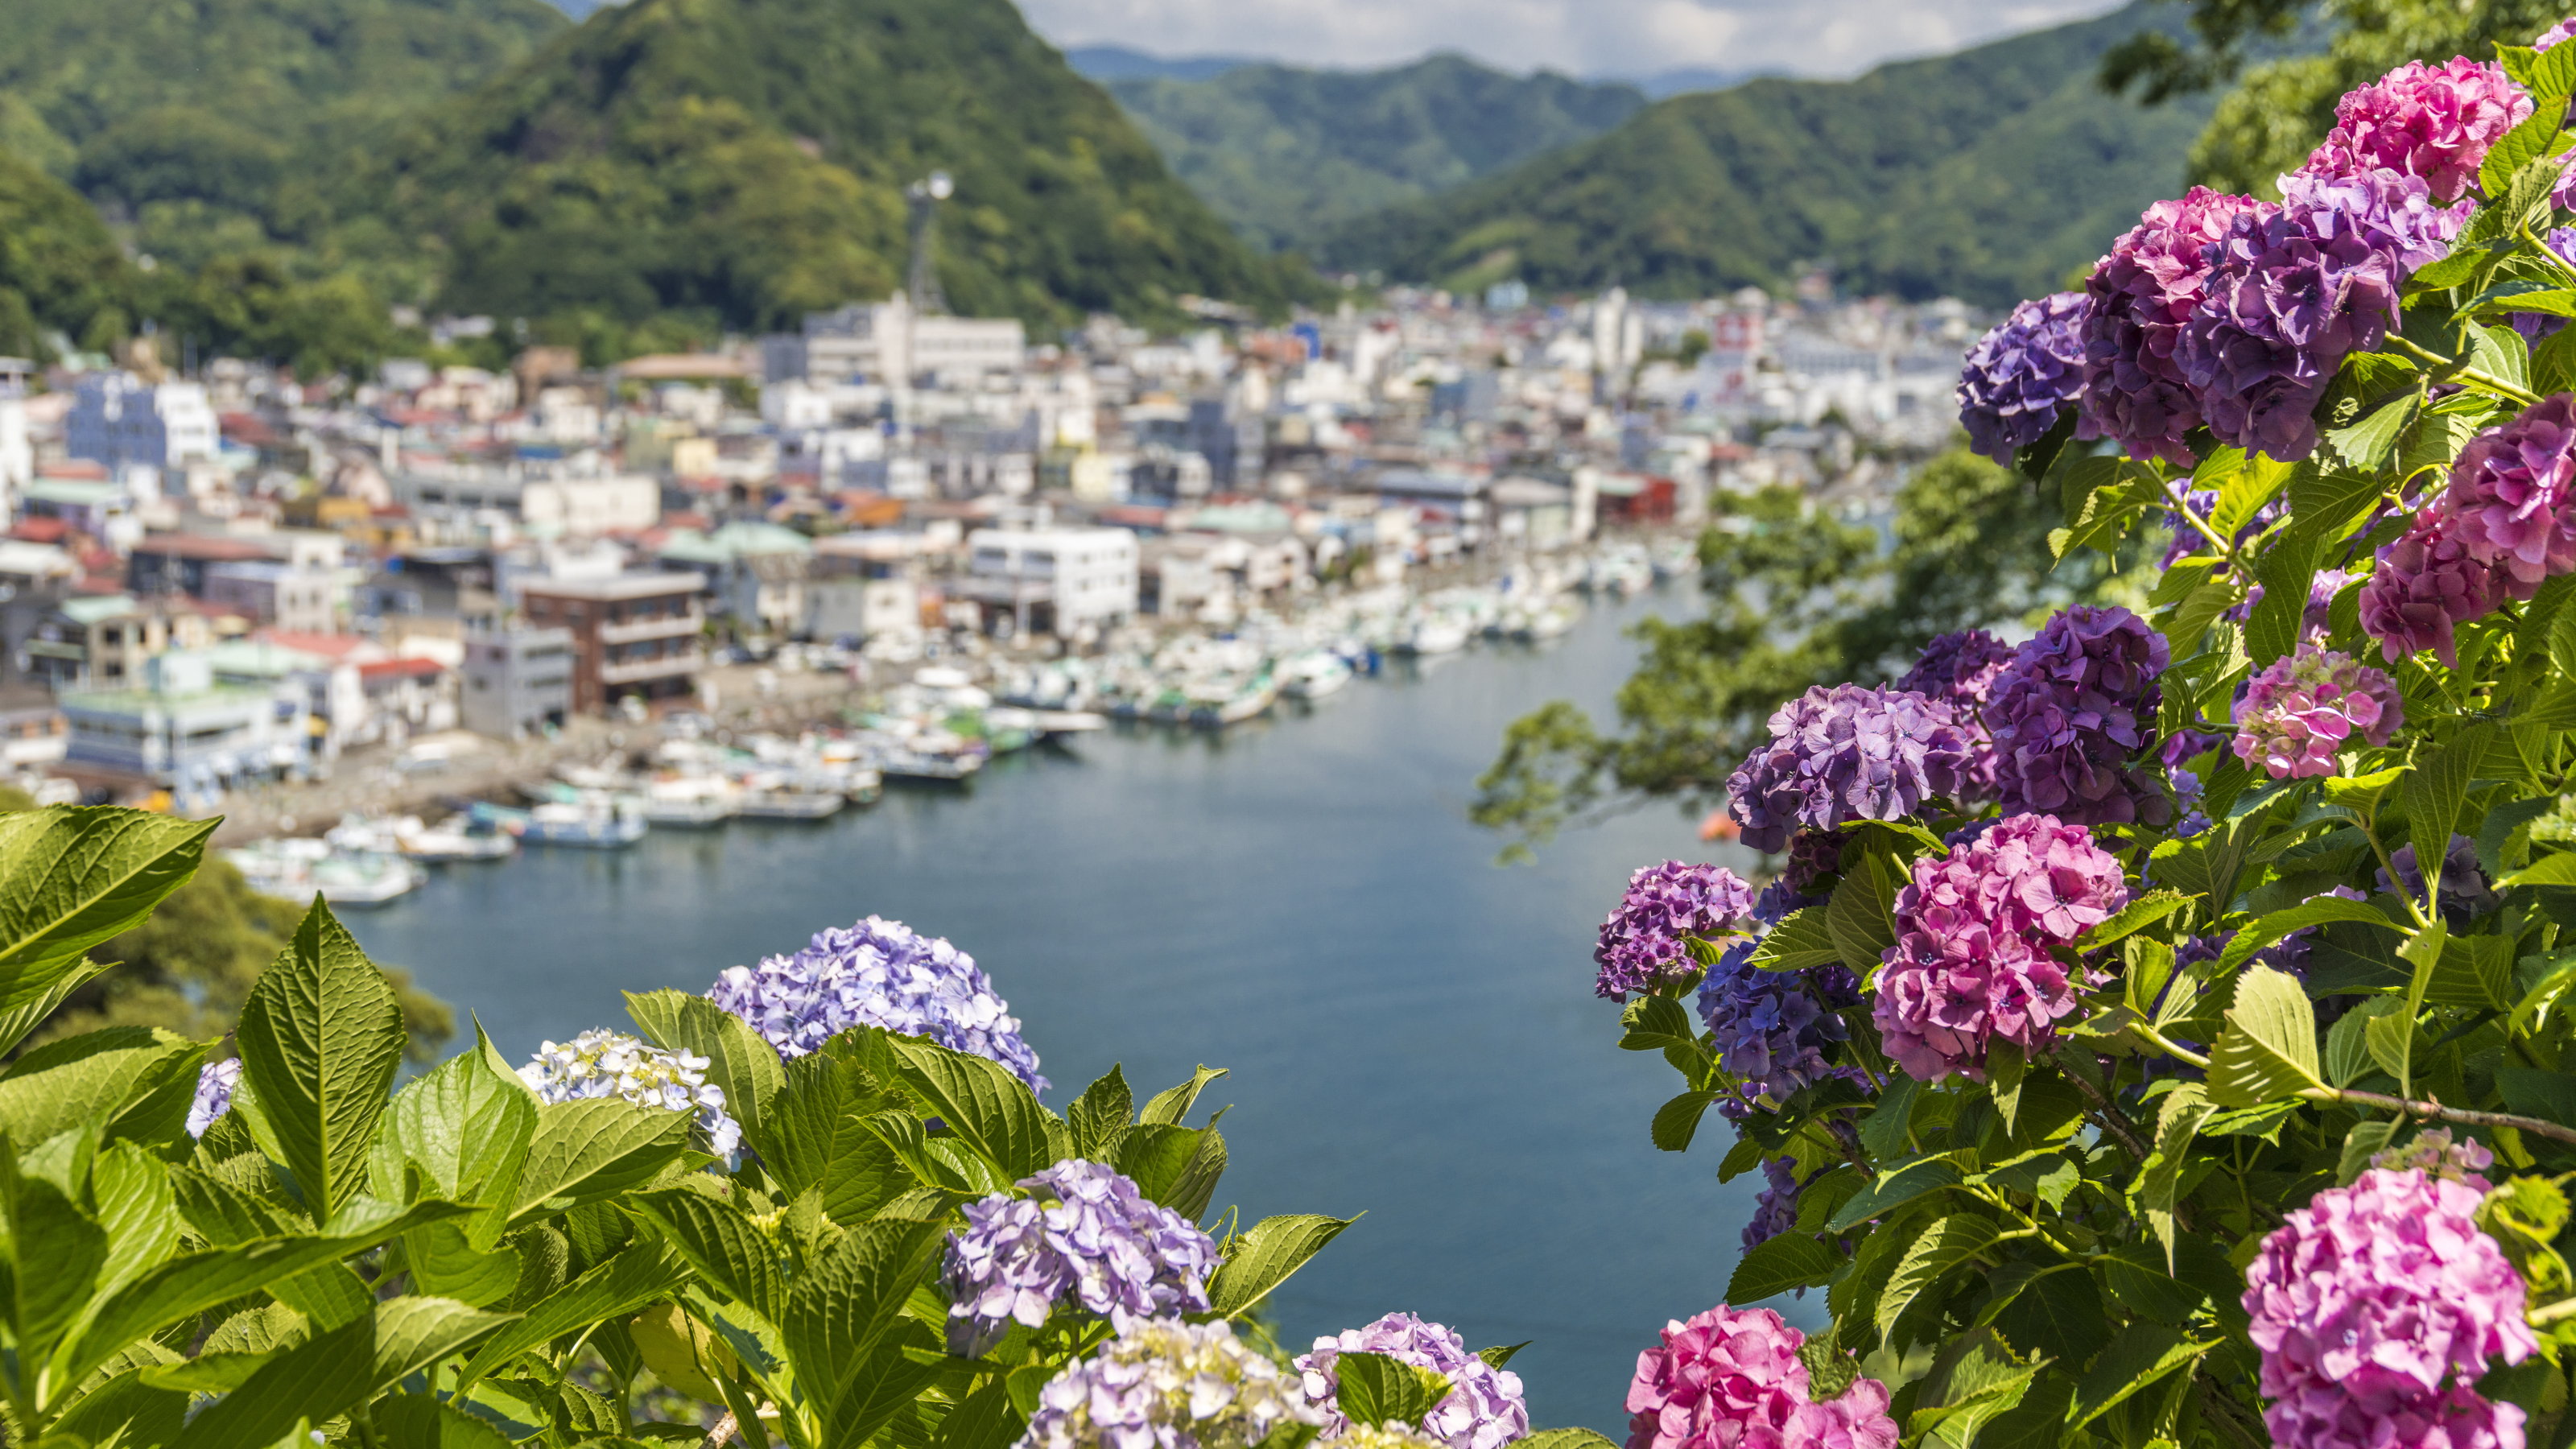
(1411,1030)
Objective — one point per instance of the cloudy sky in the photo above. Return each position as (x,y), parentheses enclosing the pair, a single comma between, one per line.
(1581,37)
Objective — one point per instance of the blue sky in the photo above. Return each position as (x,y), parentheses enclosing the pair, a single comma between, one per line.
(1580,37)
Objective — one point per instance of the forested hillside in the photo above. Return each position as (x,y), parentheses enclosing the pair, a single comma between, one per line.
(1989,174)
(1284,153)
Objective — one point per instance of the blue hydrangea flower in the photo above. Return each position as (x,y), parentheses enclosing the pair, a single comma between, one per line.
(1085,1235)
(215,1083)
(603,1063)
(2023,374)
(1772,1028)
(877,973)
(1484,1408)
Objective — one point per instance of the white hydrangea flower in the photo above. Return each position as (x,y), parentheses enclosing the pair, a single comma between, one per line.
(603,1063)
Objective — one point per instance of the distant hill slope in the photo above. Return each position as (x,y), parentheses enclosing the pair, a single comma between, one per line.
(743,160)
(1284,153)
(1988,174)
(212,111)
(1105,63)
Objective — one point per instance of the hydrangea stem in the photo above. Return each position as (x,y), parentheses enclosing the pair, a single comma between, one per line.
(2453,367)
(2466,1117)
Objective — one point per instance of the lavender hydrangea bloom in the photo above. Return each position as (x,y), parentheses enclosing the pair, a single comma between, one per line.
(1813,856)
(2388,211)
(2372,1296)
(2022,374)
(2296,714)
(1776,1210)
(1731,1378)
(1960,670)
(1846,753)
(603,1063)
(1644,944)
(2433,122)
(1086,1236)
(1484,1408)
(2425,583)
(1164,1384)
(2142,293)
(2512,496)
(2316,620)
(215,1084)
(2076,706)
(877,973)
(2436,1155)
(2465,891)
(1773,1028)
(2283,305)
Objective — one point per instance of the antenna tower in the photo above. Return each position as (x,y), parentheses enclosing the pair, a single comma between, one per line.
(925,196)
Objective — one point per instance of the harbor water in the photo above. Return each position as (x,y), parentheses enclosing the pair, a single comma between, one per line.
(1411,1030)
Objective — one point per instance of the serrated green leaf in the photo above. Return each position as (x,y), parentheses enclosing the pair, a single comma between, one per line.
(2269,1050)
(1677,1121)
(822,1138)
(1802,939)
(2159,1180)
(633,1277)
(72,878)
(1780,1264)
(2141,912)
(1171,1106)
(983,1103)
(2268,930)
(2368,442)
(728,1251)
(1893,1189)
(595,1148)
(93,1077)
(1858,917)
(321,1037)
(1947,1245)
(842,1306)
(1263,1258)
(2436,792)
(739,1059)
(1374,1389)
(2142,1354)
(467,1126)
(1100,1114)
(2364,1141)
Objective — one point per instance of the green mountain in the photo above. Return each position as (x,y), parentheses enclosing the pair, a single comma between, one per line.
(208,124)
(1284,154)
(742,161)
(1989,174)
(59,268)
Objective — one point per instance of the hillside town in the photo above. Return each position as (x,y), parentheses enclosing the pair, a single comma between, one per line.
(219,578)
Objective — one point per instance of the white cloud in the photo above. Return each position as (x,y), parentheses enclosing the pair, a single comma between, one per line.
(1582,37)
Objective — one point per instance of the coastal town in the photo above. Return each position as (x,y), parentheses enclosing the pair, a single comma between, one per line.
(569,603)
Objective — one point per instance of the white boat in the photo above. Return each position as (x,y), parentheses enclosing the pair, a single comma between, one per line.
(791,804)
(1314,675)
(1547,623)
(448,843)
(368,879)
(1434,636)
(1244,701)
(596,825)
(1053,723)
(926,767)
(691,802)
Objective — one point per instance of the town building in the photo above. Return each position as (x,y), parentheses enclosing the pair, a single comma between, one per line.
(516,682)
(179,729)
(889,342)
(638,633)
(303,601)
(122,421)
(1068,582)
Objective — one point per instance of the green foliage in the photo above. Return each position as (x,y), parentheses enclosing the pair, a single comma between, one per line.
(1796,598)
(1283,153)
(60,270)
(1985,175)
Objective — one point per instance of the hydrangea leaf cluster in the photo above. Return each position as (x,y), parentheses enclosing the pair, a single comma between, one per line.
(1732,1377)
(603,1063)
(214,1097)
(2298,712)
(2071,714)
(1484,1408)
(2436,123)
(2142,293)
(1084,1236)
(1972,963)
(2371,1299)
(2023,374)
(1847,753)
(1166,1384)
(877,973)
(1773,1030)
(1645,943)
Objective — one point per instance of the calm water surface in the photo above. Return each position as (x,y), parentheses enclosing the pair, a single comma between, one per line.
(1411,1030)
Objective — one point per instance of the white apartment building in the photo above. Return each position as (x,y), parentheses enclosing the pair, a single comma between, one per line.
(17,453)
(119,419)
(1061,581)
(889,342)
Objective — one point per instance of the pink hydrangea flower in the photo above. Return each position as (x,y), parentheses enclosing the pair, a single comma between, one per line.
(1730,1379)
(2513,494)
(2435,1154)
(2436,122)
(2297,713)
(2426,582)
(2142,294)
(2369,1299)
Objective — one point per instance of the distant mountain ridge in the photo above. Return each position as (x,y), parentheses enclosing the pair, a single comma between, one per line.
(1106,63)
(1284,153)
(1989,174)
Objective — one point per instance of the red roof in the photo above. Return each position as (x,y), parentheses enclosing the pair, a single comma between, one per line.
(200,545)
(391,668)
(40,530)
(82,469)
(330,646)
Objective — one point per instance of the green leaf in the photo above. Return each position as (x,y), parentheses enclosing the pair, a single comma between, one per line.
(2423,952)
(32,1011)
(2004,1066)
(321,1037)
(58,1253)
(2368,443)
(635,1276)
(1802,939)
(1099,1115)
(1566,1439)
(415,1421)
(131,1408)
(986,1420)
(72,879)
(1652,1023)
(1262,1258)
(2142,1354)
(739,1059)
(1895,1188)
(1947,1245)
(1373,1389)
(2140,913)
(888,1382)
(840,1307)
(2364,1141)
(2269,1050)
(2555,869)
(337,1371)
(1884,1131)
(1677,1121)
(1781,1264)
(1858,916)
(2475,971)
(595,1148)
(986,1106)
(466,1125)
(720,1241)
(2159,1180)
(2268,930)
(1501,1355)
(2436,793)
(2057,1314)
(1174,1166)
(1170,1106)
(2531,1092)
(92,1077)
(822,1139)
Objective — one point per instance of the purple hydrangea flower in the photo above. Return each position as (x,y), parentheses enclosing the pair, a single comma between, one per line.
(2142,294)
(2372,1296)
(2554,34)
(1165,1384)
(2434,122)
(1846,753)
(2388,211)
(877,973)
(1773,1028)
(215,1084)
(2536,327)
(604,1063)
(1731,1378)
(1813,856)
(1086,1236)
(2316,621)
(2465,891)
(1484,1408)
(2076,706)
(2436,1155)
(2284,303)
(1644,944)
(2021,375)
(2425,583)
(1960,670)
(1776,1210)
(2512,495)
(2296,714)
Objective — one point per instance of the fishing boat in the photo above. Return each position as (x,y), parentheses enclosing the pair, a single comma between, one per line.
(1433,636)
(1314,675)
(1233,705)
(595,824)
(690,802)
(369,878)
(904,765)
(454,841)
(1546,623)
(1057,723)
(790,795)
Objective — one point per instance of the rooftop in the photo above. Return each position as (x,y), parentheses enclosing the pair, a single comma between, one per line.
(624,586)
(201,546)
(86,612)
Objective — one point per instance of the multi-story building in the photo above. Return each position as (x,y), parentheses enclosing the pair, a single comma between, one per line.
(300,601)
(184,732)
(119,419)
(1060,581)
(516,681)
(889,342)
(633,634)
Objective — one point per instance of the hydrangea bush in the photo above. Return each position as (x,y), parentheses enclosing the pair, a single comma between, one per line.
(2176,997)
